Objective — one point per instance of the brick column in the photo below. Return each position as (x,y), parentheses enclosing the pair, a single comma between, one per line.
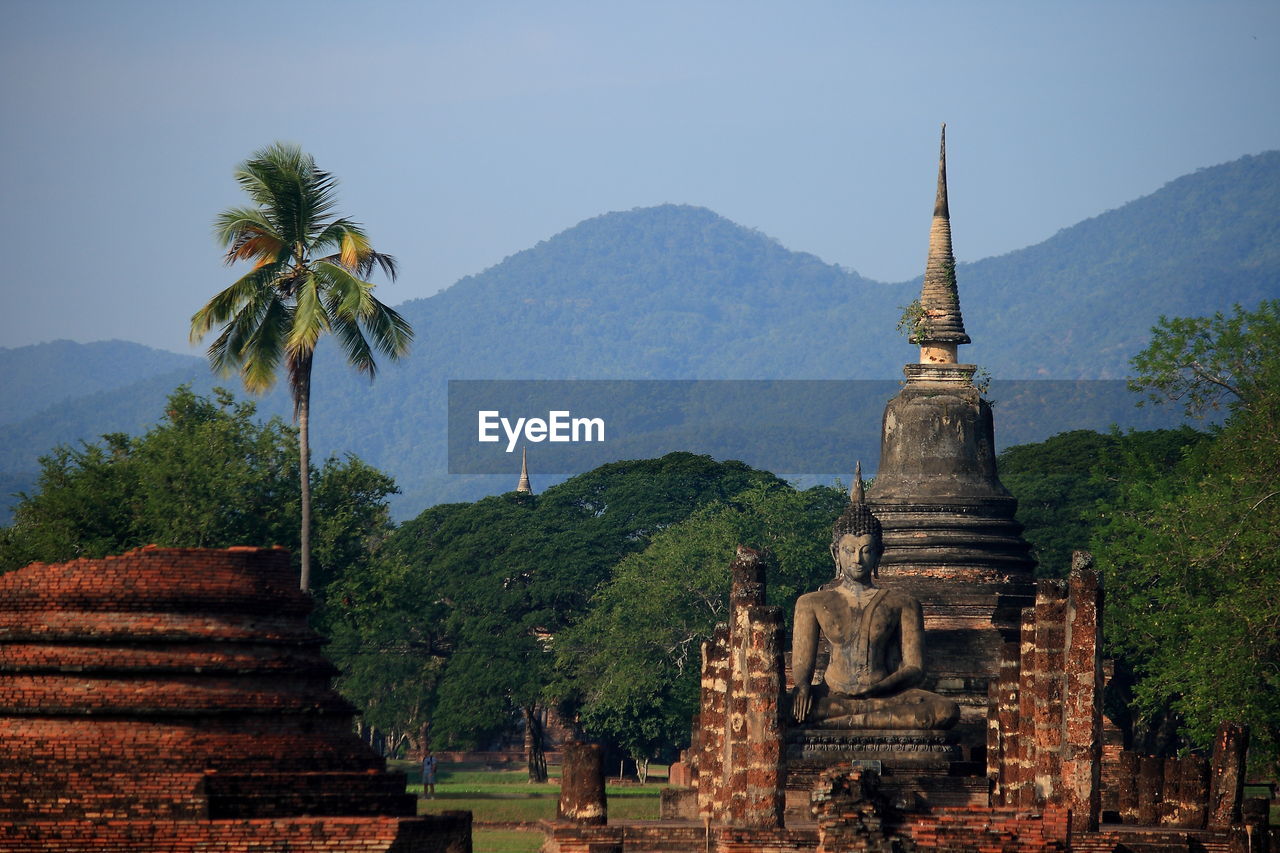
(1048,686)
(762,752)
(747,571)
(1082,704)
(1023,793)
(582,796)
(1226,782)
(1194,792)
(1003,743)
(715,680)
(1128,787)
(1150,785)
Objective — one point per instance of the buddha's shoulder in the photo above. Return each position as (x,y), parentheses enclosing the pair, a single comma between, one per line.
(819,597)
(899,598)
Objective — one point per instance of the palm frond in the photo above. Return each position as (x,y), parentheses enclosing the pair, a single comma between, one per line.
(345,295)
(260,353)
(355,346)
(351,305)
(234,299)
(235,221)
(390,268)
(227,352)
(391,332)
(310,319)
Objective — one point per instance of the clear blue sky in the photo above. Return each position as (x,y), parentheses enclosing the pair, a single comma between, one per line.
(466,131)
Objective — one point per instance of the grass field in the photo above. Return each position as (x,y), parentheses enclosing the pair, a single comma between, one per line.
(506,796)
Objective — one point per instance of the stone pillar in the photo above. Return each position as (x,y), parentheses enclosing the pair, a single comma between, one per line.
(1150,789)
(715,680)
(1128,789)
(1050,659)
(1005,737)
(1226,783)
(1171,793)
(1024,789)
(747,571)
(1194,792)
(1082,705)
(582,796)
(765,794)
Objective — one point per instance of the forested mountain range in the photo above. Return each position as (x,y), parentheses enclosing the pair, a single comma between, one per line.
(37,377)
(675,292)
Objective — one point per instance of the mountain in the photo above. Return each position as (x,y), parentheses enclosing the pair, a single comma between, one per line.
(36,377)
(676,292)
(1082,303)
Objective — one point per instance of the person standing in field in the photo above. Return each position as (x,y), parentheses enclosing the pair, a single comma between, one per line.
(429,775)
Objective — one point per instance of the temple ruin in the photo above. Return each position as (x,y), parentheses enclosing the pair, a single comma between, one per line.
(1027,762)
(177,699)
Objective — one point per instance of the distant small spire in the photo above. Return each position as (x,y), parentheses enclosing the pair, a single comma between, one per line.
(523,485)
(942,325)
(856,494)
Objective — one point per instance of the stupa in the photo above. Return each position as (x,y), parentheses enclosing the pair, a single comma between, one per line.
(176,699)
(950,536)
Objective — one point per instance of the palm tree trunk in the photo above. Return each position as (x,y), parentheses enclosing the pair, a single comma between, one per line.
(302,412)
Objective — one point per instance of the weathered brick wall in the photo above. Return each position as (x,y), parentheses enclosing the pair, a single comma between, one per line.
(656,838)
(712,720)
(738,769)
(169,698)
(1049,744)
(449,832)
(1045,735)
(992,830)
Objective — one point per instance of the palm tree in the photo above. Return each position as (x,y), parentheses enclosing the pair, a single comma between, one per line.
(308,278)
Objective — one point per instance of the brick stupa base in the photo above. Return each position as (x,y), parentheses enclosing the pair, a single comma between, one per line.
(177,700)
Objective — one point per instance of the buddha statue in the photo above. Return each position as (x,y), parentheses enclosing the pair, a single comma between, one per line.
(876,637)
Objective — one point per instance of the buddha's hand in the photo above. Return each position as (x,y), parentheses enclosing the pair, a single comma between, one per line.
(800,703)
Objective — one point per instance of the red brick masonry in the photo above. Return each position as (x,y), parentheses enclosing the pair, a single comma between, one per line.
(176,699)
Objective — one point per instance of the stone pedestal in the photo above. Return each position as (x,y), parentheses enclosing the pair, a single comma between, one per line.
(918,770)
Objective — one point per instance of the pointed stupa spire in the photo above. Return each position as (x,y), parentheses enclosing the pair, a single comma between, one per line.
(523,485)
(941,329)
(856,494)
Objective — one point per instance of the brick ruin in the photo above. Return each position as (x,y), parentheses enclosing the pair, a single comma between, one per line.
(1051,785)
(176,699)
(1032,764)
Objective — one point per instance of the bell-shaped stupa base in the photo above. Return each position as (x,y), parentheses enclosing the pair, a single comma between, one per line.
(950,536)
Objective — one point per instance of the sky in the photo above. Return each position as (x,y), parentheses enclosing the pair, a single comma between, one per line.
(465,132)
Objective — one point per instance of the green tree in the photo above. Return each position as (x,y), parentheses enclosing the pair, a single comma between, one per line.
(634,659)
(1207,363)
(1191,553)
(308,278)
(1059,483)
(480,592)
(207,475)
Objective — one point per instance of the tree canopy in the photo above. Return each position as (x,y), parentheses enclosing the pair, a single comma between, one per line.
(207,475)
(1060,482)
(479,593)
(1190,552)
(634,659)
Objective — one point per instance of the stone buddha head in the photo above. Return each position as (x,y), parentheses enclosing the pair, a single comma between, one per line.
(856,541)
